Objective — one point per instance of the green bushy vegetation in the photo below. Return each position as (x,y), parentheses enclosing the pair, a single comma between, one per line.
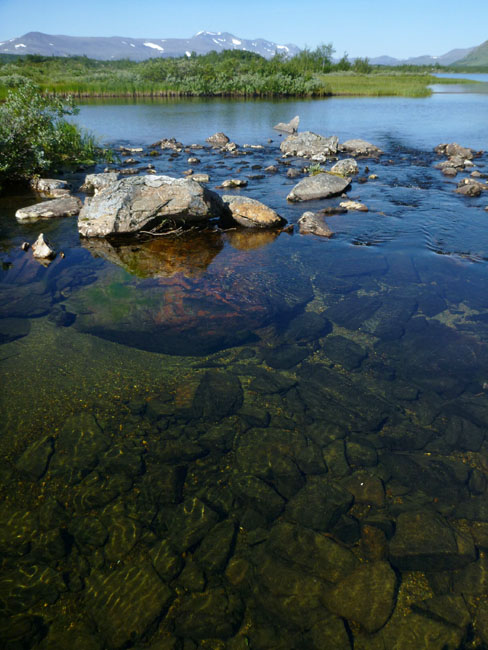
(36,138)
(311,73)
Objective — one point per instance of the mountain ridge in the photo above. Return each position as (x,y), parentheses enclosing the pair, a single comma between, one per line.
(139,49)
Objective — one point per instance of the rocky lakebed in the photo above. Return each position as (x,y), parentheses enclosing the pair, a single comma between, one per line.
(246,399)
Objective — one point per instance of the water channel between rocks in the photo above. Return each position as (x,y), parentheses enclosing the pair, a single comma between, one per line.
(235,439)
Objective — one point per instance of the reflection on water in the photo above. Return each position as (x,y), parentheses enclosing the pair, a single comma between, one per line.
(251,440)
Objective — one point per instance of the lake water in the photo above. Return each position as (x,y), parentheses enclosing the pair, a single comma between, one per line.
(237,439)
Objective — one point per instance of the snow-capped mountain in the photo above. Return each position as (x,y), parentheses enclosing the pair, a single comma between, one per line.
(138,49)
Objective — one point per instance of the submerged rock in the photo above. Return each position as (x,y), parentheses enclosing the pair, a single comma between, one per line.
(35,459)
(311,223)
(424,541)
(64,207)
(308,144)
(215,613)
(288,127)
(125,601)
(251,213)
(367,596)
(147,203)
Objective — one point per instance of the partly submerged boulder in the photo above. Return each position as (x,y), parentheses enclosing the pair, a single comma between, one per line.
(42,249)
(251,213)
(147,203)
(357,147)
(345,167)
(288,127)
(218,139)
(64,207)
(313,224)
(51,188)
(320,186)
(308,144)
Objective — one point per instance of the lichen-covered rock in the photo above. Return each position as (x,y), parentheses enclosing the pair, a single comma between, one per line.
(147,203)
(320,186)
(251,213)
(94,183)
(63,207)
(311,223)
(357,147)
(366,596)
(346,167)
(308,144)
(234,182)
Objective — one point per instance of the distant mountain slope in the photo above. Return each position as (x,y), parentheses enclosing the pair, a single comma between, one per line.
(477,57)
(453,56)
(138,49)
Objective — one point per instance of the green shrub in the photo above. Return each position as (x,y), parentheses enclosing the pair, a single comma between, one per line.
(35,137)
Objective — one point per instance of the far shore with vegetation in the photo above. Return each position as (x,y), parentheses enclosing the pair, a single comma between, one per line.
(231,73)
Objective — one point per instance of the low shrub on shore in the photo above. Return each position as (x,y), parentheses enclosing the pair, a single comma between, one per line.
(36,138)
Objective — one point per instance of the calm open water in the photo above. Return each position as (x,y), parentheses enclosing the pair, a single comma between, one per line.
(244,439)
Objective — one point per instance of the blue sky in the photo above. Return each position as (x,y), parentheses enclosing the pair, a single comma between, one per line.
(360,27)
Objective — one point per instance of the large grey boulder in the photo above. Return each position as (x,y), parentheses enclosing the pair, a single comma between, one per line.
(288,127)
(94,183)
(308,144)
(65,207)
(357,147)
(147,203)
(251,213)
(320,186)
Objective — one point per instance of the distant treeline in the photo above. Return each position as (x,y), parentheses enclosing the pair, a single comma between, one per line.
(229,73)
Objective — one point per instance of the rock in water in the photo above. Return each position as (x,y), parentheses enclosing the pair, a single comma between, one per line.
(251,213)
(288,127)
(41,248)
(320,186)
(64,207)
(366,596)
(312,224)
(147,203)
(357,147)
(345,167)
(308,144)
(218,139)
(50,187)
(94,183)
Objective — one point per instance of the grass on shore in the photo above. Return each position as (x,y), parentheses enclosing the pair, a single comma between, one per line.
(384,84)
(227,74)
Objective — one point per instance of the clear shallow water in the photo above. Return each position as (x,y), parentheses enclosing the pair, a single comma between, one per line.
(236,439)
